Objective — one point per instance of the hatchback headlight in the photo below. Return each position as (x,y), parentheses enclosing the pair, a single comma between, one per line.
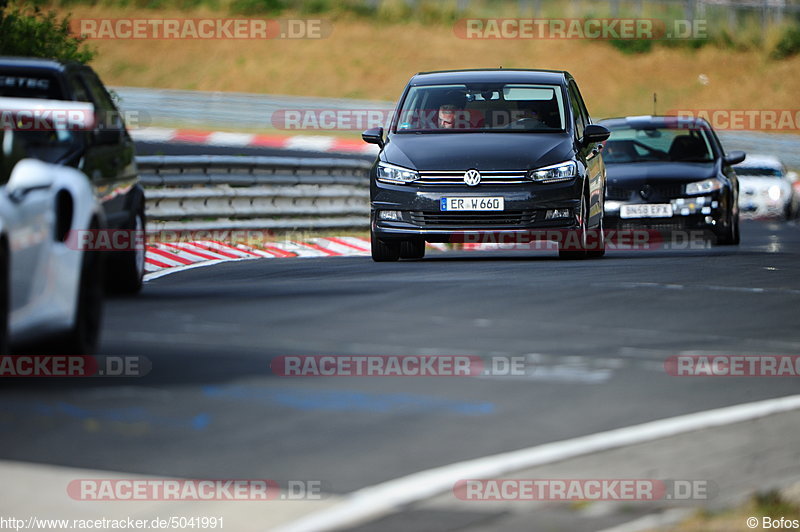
(774,192)
(703,187)
(390,173)
(556,172)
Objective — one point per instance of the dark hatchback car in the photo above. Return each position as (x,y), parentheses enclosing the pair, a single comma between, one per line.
(670,174)
(473,153)
(105,153)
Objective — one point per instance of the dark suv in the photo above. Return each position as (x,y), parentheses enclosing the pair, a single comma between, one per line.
(485,152)
(105,152)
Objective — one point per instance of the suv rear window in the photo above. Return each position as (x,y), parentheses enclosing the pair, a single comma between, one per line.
(16,84)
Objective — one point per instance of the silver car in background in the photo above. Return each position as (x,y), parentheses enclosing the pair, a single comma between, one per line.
(765,189)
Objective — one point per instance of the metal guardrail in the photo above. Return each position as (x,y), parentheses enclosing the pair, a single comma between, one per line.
(225,110)
(231,192)
(290,193)
(241,110)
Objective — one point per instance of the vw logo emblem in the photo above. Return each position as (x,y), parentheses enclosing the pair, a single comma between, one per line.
(472,177)
(646,191)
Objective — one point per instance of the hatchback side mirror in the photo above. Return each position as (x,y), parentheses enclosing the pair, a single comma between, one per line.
(373,136)
(734,157)
(595,133)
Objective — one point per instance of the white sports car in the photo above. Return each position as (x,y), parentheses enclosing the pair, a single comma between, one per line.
(50,292)
(765,191)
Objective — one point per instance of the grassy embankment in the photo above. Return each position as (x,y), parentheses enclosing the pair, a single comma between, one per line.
(772,504)
(372,58)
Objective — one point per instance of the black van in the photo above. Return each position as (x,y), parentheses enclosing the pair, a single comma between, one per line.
(105,152)
(482,151)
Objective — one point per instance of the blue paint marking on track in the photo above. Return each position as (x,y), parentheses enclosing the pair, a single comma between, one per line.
(349,401)
(122,415)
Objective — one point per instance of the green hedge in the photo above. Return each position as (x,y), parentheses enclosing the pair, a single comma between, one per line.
(31,32)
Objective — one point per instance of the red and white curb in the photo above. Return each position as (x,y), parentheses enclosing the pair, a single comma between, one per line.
(166,257)
(163,258)
(316,143)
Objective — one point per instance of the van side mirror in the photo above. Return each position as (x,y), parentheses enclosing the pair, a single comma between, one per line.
(373,136)
(595,133)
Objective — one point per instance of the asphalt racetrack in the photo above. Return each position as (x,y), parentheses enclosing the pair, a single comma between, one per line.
(595,335)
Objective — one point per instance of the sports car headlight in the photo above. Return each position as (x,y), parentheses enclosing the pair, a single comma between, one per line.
(556,172)
(703,187)
(390,173)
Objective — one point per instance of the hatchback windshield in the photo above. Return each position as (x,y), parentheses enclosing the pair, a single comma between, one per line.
(627,145)
(499,107)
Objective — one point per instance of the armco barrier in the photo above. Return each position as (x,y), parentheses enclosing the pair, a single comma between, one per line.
(231,192)
(241,111)
(228,110)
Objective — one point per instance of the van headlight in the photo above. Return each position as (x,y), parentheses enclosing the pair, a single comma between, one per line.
(555,172)
(389,173)
(703,187)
